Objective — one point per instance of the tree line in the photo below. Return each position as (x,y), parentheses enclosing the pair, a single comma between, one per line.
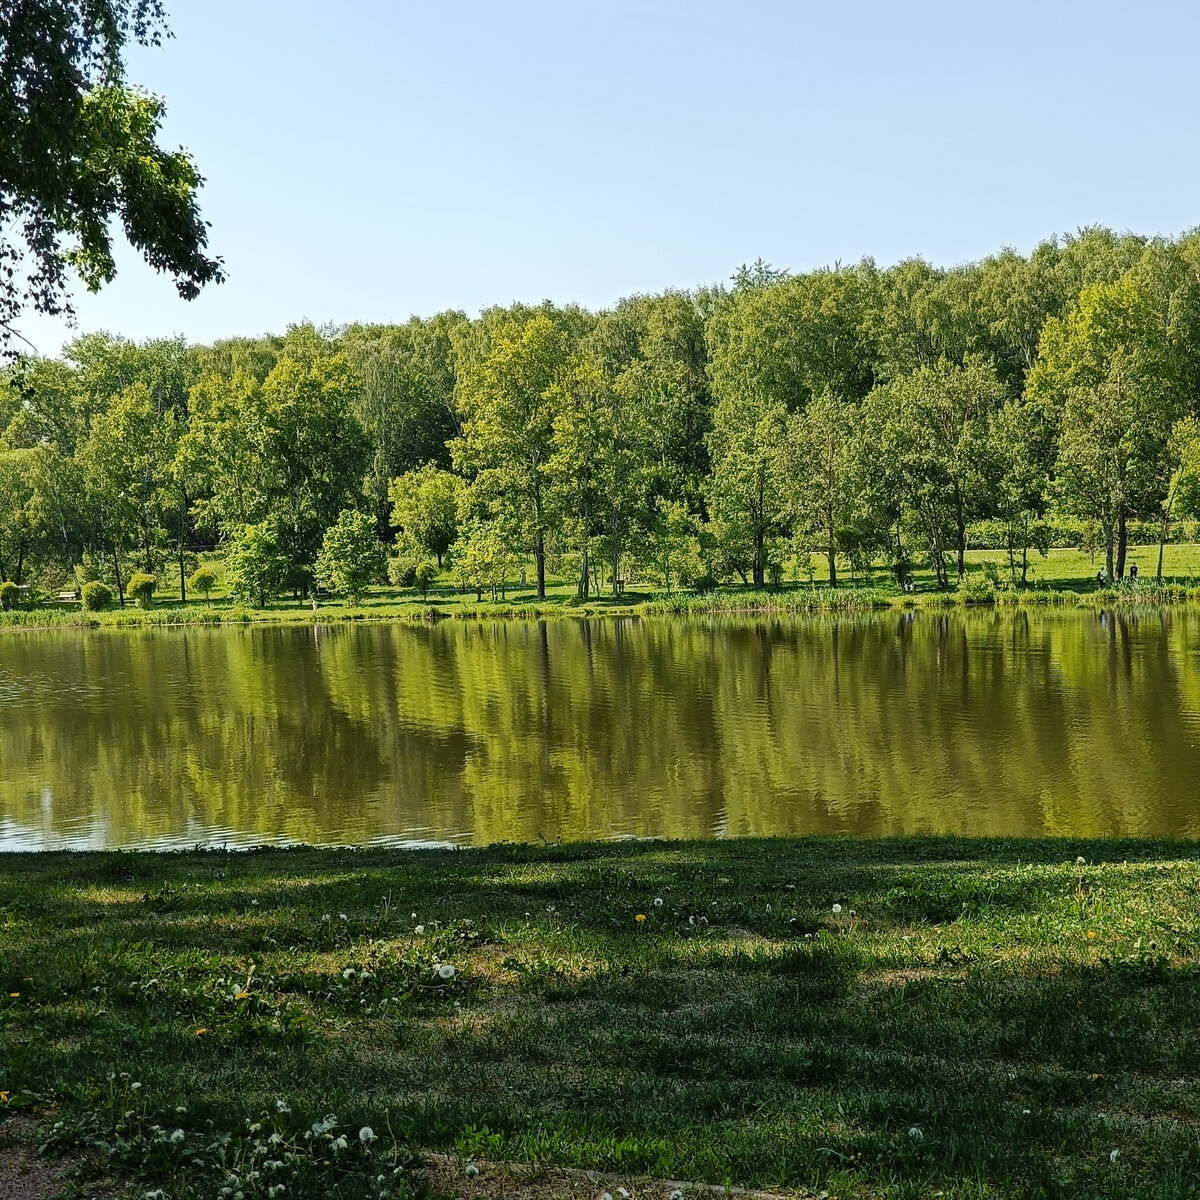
(690,437)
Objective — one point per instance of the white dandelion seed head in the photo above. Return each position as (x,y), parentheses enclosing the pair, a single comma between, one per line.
(348,973)
(916,1133)
(366,1134)
(677,1194)
(837,908)
(340,1143)
(177,1135)
(658,902)
(470,1170)
(445,971)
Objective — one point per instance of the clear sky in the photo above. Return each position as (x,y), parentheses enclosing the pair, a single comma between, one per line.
(367,160)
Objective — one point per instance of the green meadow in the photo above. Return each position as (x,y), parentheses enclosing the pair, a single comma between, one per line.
(891,1018)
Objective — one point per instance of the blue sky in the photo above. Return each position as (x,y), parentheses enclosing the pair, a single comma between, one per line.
(369,160)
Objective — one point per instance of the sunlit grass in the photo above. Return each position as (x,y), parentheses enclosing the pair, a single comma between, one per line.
(784,1016)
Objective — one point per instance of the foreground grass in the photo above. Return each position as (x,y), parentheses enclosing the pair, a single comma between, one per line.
(978,1018)
(1062,577)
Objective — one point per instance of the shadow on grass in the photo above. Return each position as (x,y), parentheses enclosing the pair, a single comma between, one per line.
(978,1014)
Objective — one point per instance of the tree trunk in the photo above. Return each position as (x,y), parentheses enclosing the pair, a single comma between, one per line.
(1162,541)
(1122,543)
(117,573)
(1108,553)
(831,553)
(584,578)
(539,554)
(760,574)
(182,514)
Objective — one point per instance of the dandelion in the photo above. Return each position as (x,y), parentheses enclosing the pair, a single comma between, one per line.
(343,917)
(419,930)
(1091,935)
(135,1087)
(242,995)
(1080,860)
(640,917)
(339,1143)
(916,1134)
(14,995)
(470,1170)
(201,1031)
(445,971)
(366,1134)
(348,973)
(658,902)
(281,1106)
(4,1097)
(837,908)
(677,1194)
(177,1136)
(325,1124)
(326,917)
(253,901)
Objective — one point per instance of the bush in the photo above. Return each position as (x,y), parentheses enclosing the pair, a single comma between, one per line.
(203,580)
(96,596)
(254,566)
(10,595)
(402,571)
(423,578)
(141,588)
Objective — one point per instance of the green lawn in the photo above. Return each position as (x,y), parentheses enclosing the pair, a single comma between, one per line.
(1064,575)
(976,1019)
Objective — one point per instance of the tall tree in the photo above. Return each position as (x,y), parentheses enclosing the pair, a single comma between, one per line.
(80,153)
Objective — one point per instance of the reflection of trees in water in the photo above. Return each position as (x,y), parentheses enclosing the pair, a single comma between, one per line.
(990,722)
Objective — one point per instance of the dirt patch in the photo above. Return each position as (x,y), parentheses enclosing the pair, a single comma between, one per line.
(477,1179)
(25,1176)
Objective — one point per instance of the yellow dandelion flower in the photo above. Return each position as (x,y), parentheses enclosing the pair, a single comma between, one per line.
(4,1097)
(13,995)
(1091,935)
(640,917)
(243,995)
(200,1032)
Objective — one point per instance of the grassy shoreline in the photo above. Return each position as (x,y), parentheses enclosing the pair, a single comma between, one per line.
(791,600)
(891,1018)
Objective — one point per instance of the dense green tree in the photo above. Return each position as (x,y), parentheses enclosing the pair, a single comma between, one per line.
(255,567)
(425,509)
(80,155)
(508,402)
(351,556)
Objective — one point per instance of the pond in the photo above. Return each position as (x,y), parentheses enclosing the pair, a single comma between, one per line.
(1034,722)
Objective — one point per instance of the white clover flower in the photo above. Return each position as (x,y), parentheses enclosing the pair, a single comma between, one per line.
(418,930)
(177,1135)
(470,1170)
(348,973)
(1113,1155)
(366,1134)
(445,971)
(134,1087)
(339,1143)
(837,908)
(677,1194)
(658,902)
(281,1106)
(276,1189)
(343,917)
(916,1134)
(256,1127)
(325,1124)
(326,917)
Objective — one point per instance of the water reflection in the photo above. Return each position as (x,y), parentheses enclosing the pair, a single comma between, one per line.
(980,723)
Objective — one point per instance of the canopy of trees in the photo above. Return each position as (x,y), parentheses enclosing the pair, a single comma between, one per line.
(861,413)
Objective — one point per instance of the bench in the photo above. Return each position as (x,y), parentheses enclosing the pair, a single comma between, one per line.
(67,597)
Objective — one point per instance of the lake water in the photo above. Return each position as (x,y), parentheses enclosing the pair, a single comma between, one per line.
(1039,722)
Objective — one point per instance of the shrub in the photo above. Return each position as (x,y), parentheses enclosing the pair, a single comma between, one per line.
(203,580)
(10,595)
(423,578)
(402,571)
(141,588)
(96,596)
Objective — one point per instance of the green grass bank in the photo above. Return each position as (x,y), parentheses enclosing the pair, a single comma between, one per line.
(897,1018)
(1063,577)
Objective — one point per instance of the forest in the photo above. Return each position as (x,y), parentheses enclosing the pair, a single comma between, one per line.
(870,417)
